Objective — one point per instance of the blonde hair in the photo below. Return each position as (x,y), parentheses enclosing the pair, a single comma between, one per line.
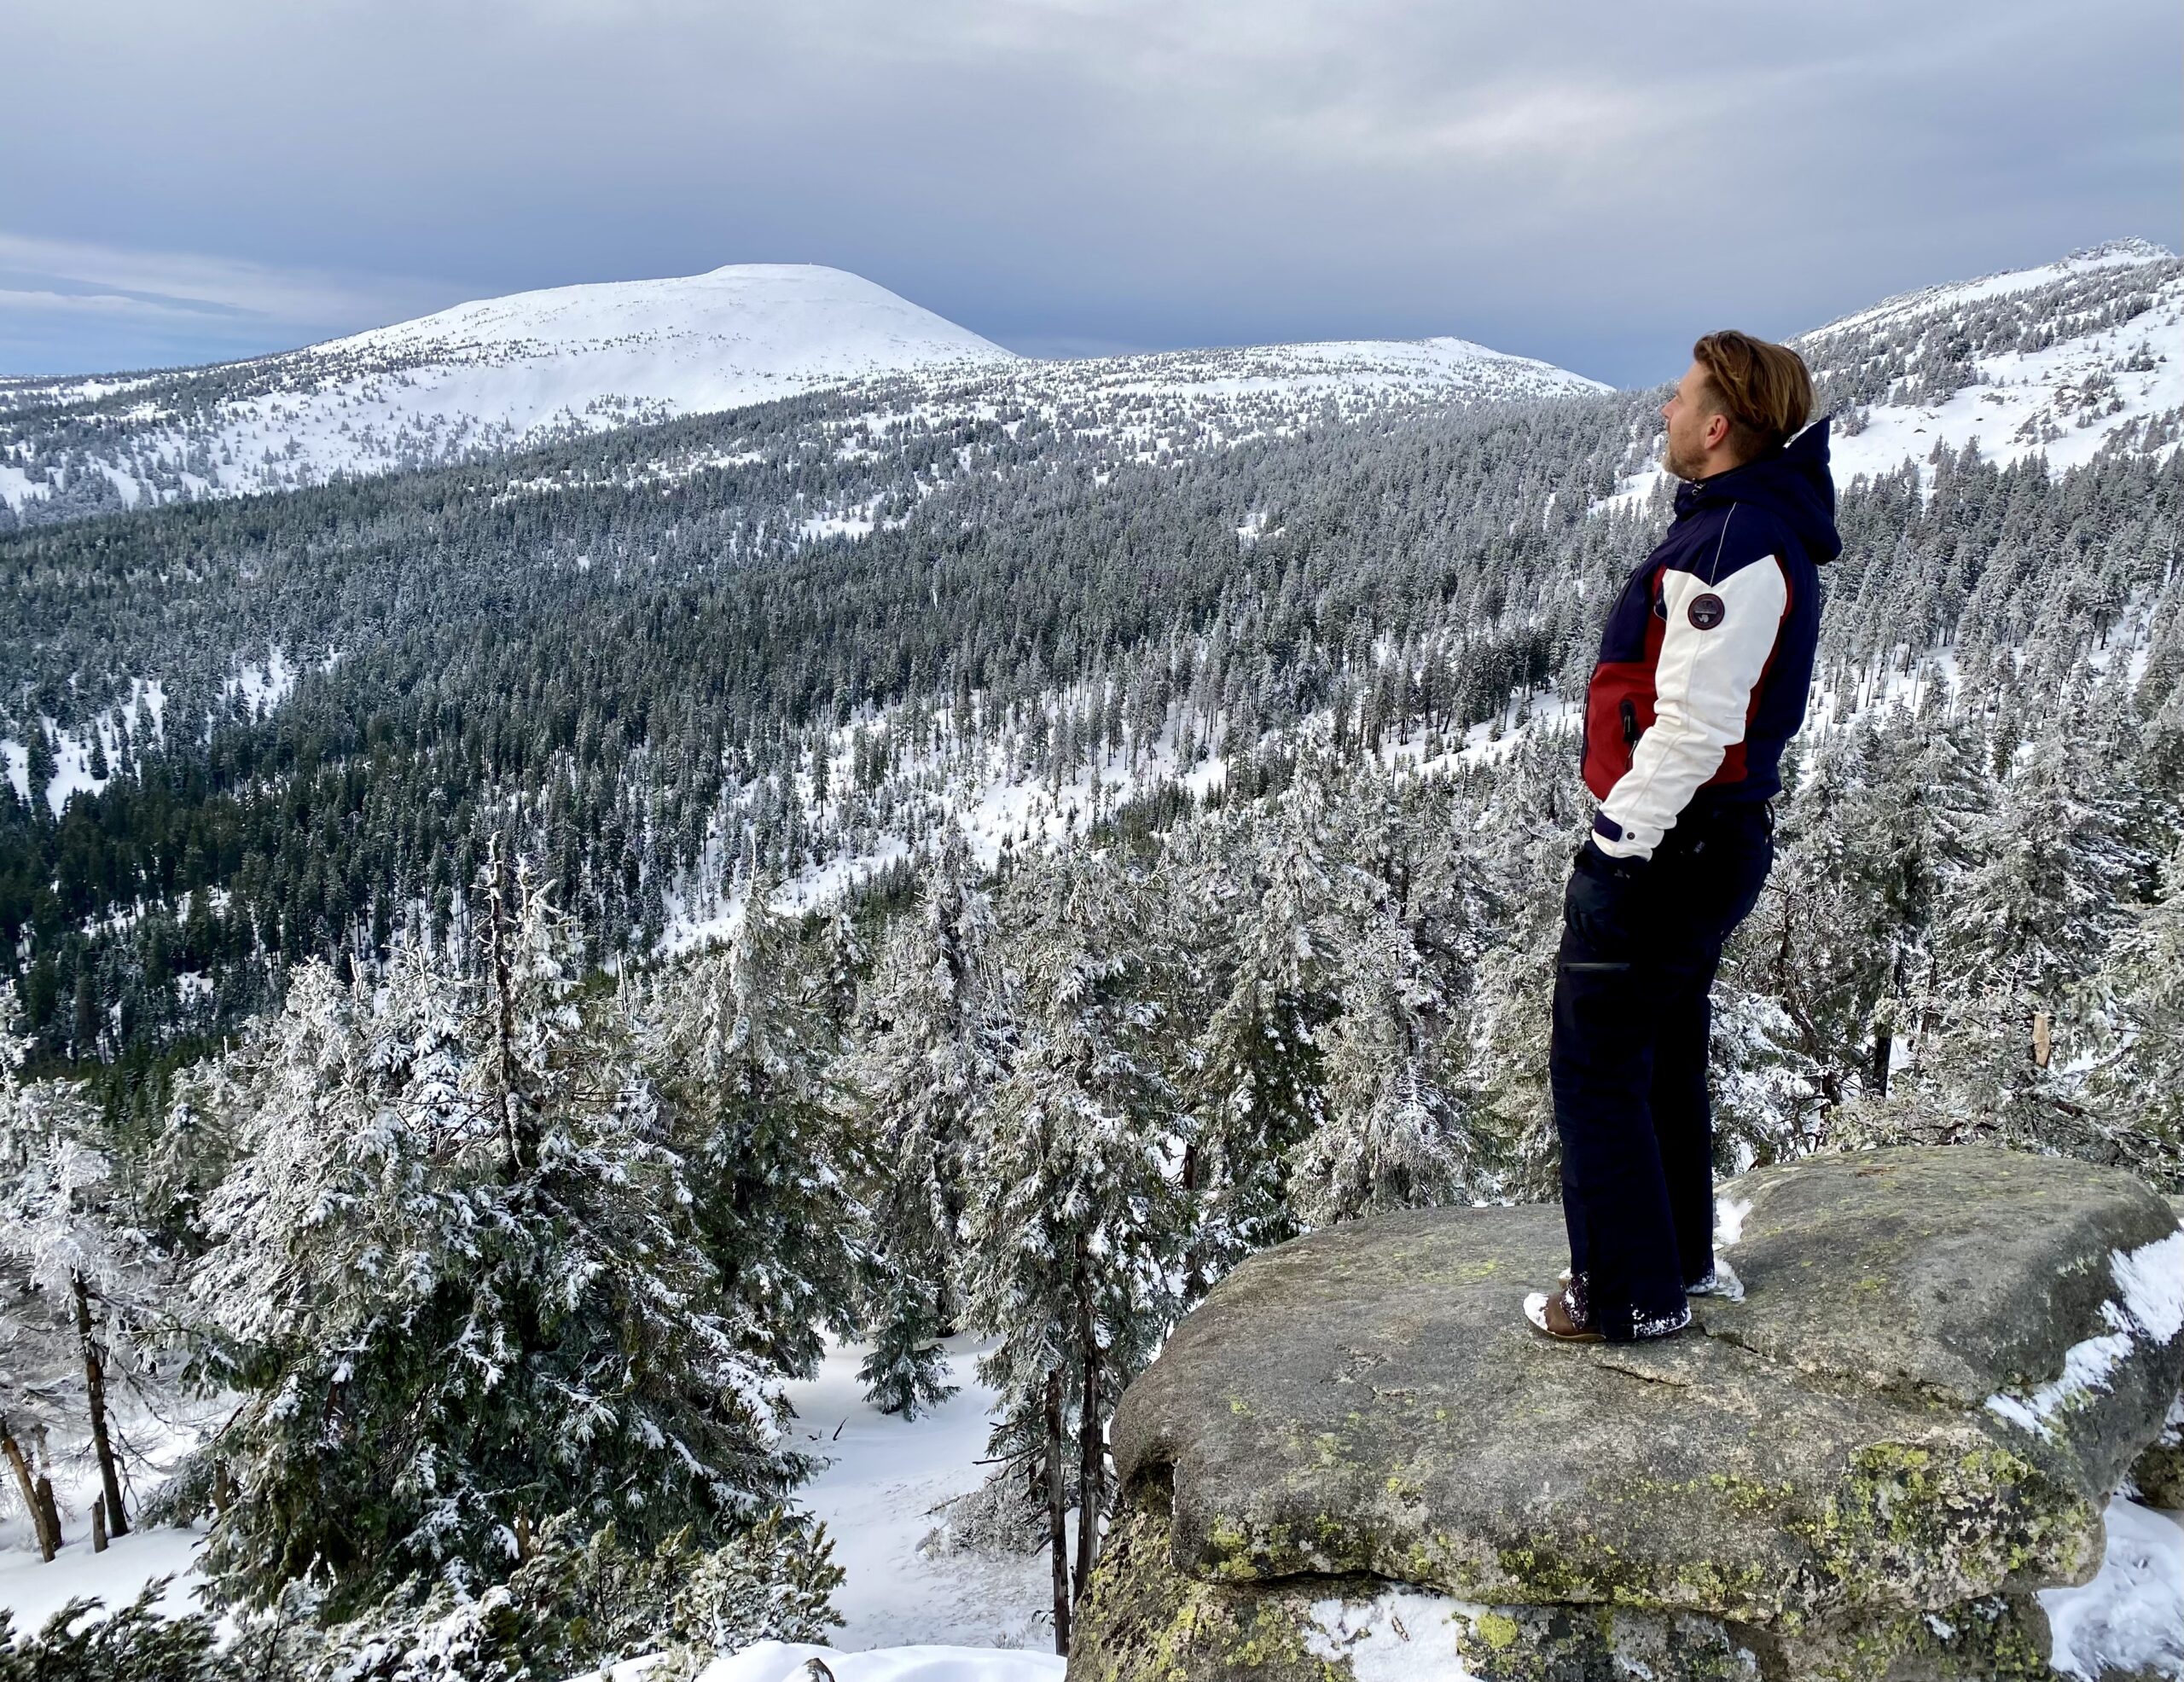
(1763,391)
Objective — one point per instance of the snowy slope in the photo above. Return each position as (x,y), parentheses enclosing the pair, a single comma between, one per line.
(1443,366)
(2063,360)
(1170,401)
(486,376)
(882,1481)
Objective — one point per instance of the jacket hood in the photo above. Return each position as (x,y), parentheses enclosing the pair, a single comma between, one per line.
(1791,482)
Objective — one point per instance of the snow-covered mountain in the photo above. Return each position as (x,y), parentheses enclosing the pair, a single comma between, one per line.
(506,372)
(2062,358)
(495,374)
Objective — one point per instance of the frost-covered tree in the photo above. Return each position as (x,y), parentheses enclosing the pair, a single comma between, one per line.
(1533,815)
(2053,882)
(86,1287)
(195,1148)
(1257,1081)
(743,1049)
(457,1280)
(1845,945)
(2133,1022)
(1397,1134)
(1077,1221)
(925,1078)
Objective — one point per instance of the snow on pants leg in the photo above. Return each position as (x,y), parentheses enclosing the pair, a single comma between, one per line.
(1628,1067)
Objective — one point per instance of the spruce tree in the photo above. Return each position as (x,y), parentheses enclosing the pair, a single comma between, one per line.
(925,1078)
(455,1278)
(1077,1220)
(1397,1134)
(1257,1083)
(90,1287)
(743,1049)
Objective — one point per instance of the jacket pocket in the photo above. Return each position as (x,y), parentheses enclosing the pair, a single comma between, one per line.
(1618,710)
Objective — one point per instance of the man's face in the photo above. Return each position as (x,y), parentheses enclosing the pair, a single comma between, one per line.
(1695,427)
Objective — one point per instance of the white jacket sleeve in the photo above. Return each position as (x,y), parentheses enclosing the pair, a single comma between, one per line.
(1715,650)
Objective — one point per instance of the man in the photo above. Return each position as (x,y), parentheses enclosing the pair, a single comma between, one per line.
(1702,678)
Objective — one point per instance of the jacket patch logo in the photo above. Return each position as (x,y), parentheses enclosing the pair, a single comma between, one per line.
(1707,611)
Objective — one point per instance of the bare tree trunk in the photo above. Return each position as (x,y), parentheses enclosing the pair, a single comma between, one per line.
(497,937)
(2043,1038)
(94,1390)
(1194,1266)
(50,1513)
(98,1525)
(1057,1512)
(46,1544)
(1091,1439)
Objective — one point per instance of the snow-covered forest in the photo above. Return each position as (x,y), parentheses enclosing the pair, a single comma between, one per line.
(504,962)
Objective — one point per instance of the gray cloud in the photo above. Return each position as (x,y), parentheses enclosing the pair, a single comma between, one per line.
(1581,181)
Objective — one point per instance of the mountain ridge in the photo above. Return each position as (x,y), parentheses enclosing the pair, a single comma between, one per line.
(2058,358)
(498,374)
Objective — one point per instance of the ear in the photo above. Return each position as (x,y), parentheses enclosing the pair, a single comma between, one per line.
(1718,431)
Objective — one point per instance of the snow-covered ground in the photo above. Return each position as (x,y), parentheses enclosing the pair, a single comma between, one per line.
(881,1480)
(2129,1620)
(878,1492)
(33,1590)
(783,1662)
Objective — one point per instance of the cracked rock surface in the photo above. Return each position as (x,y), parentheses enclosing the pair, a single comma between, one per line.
(1945,1360)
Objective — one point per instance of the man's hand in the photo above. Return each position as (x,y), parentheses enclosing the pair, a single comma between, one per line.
(1609,899)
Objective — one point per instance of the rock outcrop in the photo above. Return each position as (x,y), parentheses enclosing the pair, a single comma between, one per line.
(1356,1456)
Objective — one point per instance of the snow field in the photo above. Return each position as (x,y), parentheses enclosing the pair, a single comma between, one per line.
(782,1661)
(877,1494)
(33,1590)
(2129,1620)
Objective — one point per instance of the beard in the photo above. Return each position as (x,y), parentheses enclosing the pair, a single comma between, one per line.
(1677,463)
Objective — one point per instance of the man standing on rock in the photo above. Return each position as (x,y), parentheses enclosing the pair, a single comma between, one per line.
(1702,674)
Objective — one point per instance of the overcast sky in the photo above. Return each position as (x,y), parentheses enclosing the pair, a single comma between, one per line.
(1589,182)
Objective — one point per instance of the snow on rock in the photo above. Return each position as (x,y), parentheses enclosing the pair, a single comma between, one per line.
(2129,1620)
(2151,1283)
(1401,1636)
(2149,1306)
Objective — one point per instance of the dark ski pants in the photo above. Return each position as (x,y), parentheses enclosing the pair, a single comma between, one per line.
(1627,1064)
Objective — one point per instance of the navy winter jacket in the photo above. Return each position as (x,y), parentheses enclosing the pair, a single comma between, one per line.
(1708,653)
